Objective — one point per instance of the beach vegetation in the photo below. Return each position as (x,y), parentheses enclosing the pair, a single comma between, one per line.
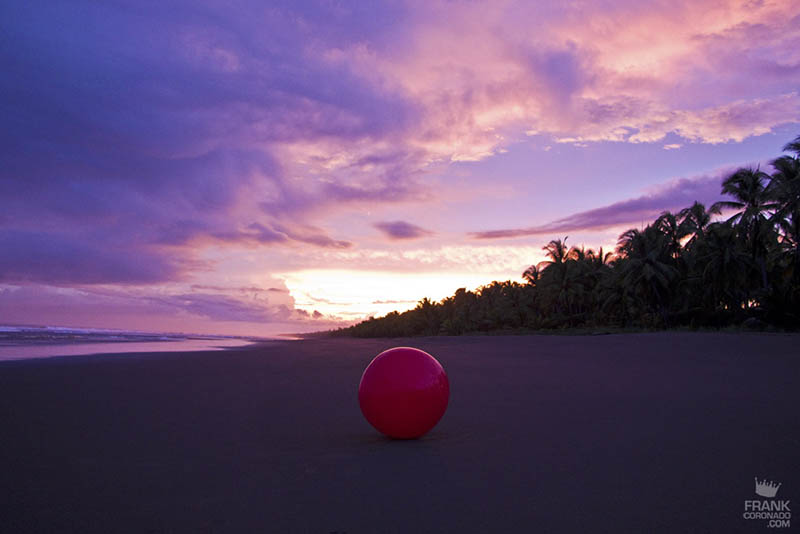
(734,264)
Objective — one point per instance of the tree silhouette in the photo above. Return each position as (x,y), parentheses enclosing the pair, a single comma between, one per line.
(683,269)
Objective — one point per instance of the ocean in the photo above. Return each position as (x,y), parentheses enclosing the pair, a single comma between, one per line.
(25,342)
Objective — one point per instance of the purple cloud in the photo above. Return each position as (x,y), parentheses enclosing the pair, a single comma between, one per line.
(397,230)
(27,302)
(154,134)
(672,196)
(394,182)
(279,233)
(60,259)
(241,289)
(142,146)
(224,308)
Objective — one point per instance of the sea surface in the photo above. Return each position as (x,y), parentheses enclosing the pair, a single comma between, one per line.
(25,342)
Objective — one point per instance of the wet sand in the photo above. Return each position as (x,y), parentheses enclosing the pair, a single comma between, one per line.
(620,433)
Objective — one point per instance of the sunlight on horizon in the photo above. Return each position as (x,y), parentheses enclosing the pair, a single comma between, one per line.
(350,159)
(355,295)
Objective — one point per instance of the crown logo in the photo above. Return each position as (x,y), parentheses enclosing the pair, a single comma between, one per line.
(766,488)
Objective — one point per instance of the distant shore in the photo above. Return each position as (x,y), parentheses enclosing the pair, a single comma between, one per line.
(655,432)
(755,328)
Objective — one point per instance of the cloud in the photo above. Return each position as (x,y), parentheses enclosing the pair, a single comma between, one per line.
(270,233)
(603,72)
(734,121)
(239,289)
(133,146)
(397,230)
(220,307)
(349,266)
(209,310)
(62,259)
(673,196)
(171,135)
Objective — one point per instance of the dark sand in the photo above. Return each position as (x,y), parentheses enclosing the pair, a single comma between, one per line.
(636,433)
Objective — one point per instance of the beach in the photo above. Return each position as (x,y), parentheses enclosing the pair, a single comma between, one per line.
(652,432)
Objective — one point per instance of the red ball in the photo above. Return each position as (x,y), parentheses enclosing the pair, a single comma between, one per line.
(404,392)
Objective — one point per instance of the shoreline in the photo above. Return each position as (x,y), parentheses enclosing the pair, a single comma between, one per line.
(38,351)
(577,331)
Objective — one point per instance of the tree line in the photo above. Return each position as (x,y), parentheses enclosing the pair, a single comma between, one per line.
(684,269)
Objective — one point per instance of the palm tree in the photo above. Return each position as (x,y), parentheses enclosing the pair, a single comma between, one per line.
(647,267)
(694,220)
(793,146)
(628,242)
(668,224)
(694,223)
(681,269)
(635,243)
(786,266)
(749,188)
(583,273)
(532,274)
(599,259)
(557,251)
(784,187)
(784,190)
(560,280)
(722,265)
(577,254)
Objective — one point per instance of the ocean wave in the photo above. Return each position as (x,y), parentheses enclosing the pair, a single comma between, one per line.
(41,335)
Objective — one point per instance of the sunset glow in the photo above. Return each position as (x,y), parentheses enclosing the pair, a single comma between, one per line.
(263,168)
(357,294)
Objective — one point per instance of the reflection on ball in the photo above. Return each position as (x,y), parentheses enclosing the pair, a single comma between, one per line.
(403,392)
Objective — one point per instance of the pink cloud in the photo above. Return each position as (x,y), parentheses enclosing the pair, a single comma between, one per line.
(235,311)
(609,73)
(259,129)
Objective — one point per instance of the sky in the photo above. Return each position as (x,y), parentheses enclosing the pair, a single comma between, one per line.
(254,168)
